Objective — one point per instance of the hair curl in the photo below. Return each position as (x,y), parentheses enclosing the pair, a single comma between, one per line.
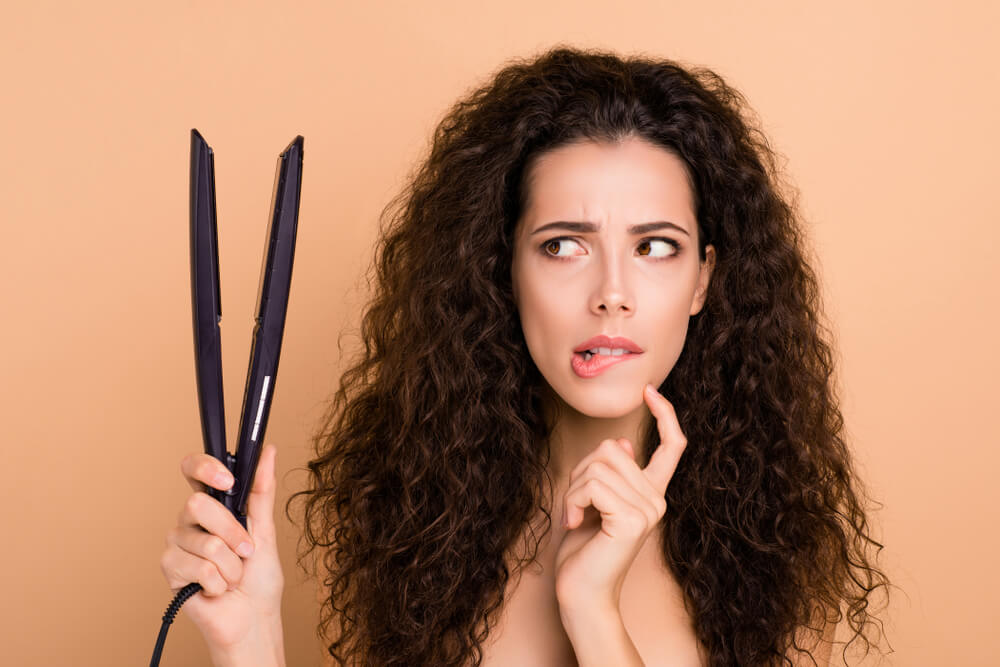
(432,455)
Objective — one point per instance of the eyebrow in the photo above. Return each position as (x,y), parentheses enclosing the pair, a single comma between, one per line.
(584,227)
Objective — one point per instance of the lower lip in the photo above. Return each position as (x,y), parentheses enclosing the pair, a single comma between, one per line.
(597,364)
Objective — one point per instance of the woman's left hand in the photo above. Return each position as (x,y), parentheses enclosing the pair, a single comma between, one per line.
(593,559)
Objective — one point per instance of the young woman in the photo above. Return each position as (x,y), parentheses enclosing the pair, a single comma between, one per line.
(594,420)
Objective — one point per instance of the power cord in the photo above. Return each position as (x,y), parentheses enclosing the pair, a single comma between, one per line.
(168,618)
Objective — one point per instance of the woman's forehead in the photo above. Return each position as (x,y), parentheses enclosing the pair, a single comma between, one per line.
(608,184)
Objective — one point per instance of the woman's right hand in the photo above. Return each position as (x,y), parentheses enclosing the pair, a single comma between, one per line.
(239,608)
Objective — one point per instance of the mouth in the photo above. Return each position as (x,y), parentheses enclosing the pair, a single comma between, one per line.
(591,363)
(604,351)
(608,345)
(591,357)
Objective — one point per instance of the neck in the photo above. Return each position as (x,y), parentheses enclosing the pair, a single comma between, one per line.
(575,434)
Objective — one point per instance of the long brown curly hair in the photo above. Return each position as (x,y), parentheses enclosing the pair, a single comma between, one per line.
(432,456)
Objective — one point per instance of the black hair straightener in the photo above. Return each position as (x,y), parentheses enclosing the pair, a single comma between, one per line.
(269,324)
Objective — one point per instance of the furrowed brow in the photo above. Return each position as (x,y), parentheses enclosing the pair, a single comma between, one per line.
(589,227)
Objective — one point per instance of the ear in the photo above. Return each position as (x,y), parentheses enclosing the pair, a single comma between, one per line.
(704,277)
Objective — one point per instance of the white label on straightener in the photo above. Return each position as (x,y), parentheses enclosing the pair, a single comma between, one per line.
(260,407)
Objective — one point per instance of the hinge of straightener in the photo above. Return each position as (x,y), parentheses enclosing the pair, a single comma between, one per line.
(231,465)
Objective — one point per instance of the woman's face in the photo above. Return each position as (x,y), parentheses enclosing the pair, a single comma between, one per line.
(607,245)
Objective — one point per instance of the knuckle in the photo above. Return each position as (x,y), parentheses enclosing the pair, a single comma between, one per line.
(202,502)
(652,517)
(574,473)
(170,572)
(186,516)
(638,521)
(193,503)
(210,579)
(190,464)
(173,578)
(601,469)
(206,569)
(215,546)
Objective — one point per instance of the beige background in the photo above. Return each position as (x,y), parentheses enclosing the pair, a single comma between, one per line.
(887,115)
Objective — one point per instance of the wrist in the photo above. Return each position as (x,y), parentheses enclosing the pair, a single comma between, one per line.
(264,646)
(599,637)
(584,618)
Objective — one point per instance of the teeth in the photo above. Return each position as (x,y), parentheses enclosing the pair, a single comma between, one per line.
(606,351)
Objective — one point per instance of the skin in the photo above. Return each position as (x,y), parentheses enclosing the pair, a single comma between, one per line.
(611,282)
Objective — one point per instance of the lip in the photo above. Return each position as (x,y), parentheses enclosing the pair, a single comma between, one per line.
(596,364)
(588,368)
(606,341)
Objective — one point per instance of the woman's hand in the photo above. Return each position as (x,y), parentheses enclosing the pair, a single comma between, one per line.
(239,609)
(592,560)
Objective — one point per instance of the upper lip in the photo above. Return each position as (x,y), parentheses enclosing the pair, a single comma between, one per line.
(605,341)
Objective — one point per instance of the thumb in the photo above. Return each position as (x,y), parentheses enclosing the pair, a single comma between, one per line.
(260,504)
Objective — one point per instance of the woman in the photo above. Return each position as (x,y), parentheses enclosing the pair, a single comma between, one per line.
(714,517)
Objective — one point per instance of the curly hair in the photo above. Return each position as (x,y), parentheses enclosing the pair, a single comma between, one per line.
(432,455)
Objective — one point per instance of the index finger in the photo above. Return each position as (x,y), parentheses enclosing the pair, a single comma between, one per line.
(202,470)
(664,460)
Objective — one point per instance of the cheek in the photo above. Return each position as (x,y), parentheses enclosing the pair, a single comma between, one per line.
(546,317)
(668,327)
(550,318)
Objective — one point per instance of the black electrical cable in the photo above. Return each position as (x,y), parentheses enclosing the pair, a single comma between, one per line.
(168,618)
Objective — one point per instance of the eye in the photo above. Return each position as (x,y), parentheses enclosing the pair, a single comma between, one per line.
(552,248)
(674,246)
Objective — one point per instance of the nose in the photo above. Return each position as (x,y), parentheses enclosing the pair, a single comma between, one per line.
(612,294)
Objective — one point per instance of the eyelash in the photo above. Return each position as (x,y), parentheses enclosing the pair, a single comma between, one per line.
(669,241)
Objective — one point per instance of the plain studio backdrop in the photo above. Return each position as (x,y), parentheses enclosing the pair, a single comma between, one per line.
(885,114)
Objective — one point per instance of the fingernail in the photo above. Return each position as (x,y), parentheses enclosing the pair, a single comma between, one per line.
(245,549)
(223,479)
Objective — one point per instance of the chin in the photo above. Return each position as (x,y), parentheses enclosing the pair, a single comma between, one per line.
(607,402)
(605,411)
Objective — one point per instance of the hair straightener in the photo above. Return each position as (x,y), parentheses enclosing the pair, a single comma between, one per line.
(269,324)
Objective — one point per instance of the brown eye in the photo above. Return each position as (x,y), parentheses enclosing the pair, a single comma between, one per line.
(552,248)
(675,247)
